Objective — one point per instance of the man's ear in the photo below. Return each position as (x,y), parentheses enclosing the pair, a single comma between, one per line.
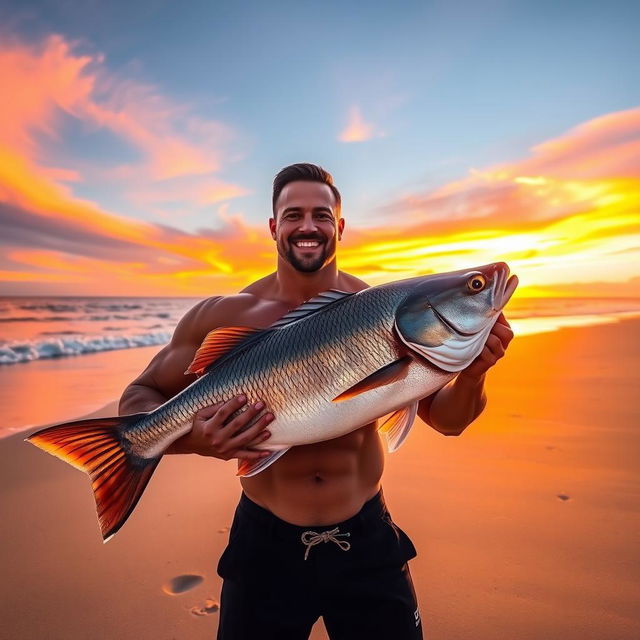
(272,227)
(340,228)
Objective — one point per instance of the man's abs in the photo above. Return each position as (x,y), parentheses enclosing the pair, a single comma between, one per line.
(321,483)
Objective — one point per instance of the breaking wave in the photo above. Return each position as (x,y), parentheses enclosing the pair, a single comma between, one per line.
(63,346)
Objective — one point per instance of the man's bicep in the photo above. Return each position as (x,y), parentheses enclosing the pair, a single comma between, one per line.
(166,371)
(424,407)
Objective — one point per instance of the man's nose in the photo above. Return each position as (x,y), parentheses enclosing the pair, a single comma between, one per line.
(307,223)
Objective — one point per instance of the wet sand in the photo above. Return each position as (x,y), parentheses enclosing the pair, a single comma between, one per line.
(83,384)
(526,525)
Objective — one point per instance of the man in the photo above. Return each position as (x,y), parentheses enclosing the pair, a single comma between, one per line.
(311,536)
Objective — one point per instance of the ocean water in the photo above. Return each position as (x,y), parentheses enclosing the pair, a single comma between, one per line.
(41,328)
(63,358)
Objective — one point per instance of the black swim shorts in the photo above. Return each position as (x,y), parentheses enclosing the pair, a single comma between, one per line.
(280,578)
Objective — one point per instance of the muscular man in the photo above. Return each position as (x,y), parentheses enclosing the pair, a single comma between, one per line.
(311,535)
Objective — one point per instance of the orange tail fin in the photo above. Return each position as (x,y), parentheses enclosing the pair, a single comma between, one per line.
(96,447)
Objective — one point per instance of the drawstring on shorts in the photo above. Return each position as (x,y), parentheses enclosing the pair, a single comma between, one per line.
(311,538)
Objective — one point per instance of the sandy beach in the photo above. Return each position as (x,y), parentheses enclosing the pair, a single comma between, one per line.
(527,526)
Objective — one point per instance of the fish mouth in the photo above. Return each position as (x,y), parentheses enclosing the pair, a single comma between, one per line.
(505,286)
(510,287)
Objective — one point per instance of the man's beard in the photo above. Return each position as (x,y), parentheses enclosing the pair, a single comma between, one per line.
(307,265)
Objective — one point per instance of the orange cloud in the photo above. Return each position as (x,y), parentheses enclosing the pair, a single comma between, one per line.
(38,209)
(567,215)
(172,141)
(40,81)
(357,129)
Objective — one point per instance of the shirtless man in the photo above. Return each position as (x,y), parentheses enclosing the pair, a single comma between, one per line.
(311,536)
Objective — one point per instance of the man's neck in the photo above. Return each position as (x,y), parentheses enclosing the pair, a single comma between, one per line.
(296,286)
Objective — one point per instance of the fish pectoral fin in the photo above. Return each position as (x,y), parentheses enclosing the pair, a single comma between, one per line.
(397,425)
(217,343)
(389,373)
(248,468)
(96,447)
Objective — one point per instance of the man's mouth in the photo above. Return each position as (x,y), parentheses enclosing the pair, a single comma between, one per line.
(306,244)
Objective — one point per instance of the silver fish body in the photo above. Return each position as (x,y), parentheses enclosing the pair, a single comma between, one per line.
(326,369)
(299,369)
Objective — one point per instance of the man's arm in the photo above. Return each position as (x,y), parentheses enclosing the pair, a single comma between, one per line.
(212,434)
(164,376)
(454,407)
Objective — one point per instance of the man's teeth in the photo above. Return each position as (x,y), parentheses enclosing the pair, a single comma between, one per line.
(307,243)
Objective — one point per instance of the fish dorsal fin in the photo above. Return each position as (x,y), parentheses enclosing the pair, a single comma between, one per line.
(311,306)
(216,344)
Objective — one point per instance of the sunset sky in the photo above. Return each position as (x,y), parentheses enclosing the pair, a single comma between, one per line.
(138,140)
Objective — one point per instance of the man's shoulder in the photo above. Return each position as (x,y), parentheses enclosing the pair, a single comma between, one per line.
(350,283)
(215,307)
(243,309)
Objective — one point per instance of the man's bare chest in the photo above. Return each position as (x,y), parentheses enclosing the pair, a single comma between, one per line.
(262,314)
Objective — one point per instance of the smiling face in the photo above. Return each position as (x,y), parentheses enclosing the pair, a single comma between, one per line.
(307,225)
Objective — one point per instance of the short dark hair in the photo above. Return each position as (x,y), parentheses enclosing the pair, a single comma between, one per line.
(308,173)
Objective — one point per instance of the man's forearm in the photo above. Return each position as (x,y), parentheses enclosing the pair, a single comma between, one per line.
(138,398)
(455,406)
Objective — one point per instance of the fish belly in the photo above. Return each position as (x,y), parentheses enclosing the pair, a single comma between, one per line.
(334,419)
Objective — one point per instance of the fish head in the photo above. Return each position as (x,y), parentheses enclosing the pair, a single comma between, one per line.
(447,317)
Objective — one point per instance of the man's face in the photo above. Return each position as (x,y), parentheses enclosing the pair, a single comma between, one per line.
(306,227)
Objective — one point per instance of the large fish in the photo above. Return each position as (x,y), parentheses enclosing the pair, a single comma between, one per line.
(325,369)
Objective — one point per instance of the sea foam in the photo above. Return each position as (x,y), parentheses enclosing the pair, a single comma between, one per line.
(28,350)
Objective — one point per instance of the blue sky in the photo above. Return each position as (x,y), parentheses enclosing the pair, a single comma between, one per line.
(447,86)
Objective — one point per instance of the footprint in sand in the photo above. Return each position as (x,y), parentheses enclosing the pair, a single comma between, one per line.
(563,496)
(181,584)
(210,606)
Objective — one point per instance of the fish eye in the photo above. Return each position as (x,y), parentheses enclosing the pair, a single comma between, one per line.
(476,283)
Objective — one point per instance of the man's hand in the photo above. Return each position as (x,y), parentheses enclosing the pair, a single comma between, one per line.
(494,349)
(213,434)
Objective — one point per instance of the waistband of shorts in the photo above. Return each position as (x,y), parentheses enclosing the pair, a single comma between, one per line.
(372,511)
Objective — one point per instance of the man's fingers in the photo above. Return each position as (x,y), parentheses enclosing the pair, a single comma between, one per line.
(228,408)
(261,437)
(255,432)
(504,333)
(251,454)
(502,320)
(208,412)
(494,344)
(241,421)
